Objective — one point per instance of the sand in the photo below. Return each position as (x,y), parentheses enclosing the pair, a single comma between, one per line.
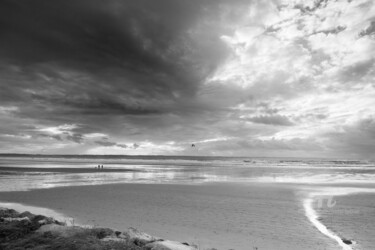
(224,216)
(353,215)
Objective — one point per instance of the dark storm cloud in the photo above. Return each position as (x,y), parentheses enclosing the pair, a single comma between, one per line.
(104,57)
(101,34)
(92,105)
(144,37)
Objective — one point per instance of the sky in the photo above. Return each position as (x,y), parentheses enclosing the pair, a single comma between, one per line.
(233,77)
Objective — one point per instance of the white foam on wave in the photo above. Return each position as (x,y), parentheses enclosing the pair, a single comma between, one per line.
(313,216)
(303,178)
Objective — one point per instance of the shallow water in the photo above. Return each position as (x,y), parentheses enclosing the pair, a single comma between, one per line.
(174,170)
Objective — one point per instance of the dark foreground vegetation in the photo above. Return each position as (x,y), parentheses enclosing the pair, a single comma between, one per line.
(29,231)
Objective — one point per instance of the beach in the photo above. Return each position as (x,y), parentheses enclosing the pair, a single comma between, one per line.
(213,213)
(224,216)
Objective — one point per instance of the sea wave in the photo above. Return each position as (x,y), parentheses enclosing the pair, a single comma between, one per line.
(311,178)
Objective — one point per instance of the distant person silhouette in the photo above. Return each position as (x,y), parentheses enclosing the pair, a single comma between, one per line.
(102,166)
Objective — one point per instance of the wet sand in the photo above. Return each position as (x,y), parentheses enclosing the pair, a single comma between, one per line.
(353,216)
(224,216)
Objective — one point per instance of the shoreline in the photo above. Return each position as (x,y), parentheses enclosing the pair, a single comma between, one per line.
(67,170)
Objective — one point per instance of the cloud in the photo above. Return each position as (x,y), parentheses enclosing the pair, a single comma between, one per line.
(353,140)
(108,60)
(77,138)
(56,137)
(114,58)
(158,76)
(271,120)
(368,31)
(106,143)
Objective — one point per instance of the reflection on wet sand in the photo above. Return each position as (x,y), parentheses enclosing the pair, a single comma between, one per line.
(22,181)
